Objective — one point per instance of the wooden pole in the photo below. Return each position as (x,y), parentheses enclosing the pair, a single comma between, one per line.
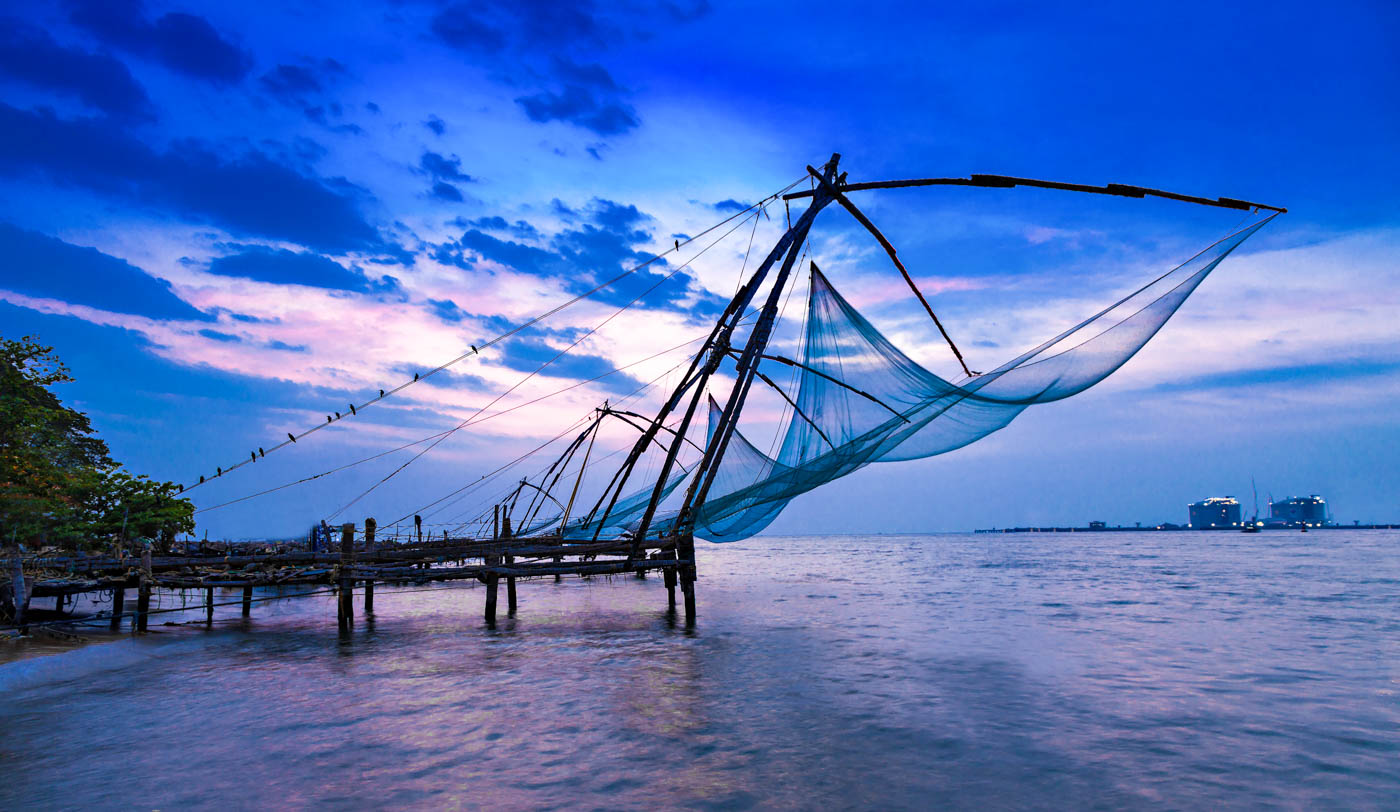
(669,574)
(209,606)
(143,593)
(685,549)
(509,559)
(17,587)
(346,615)
(492,583)
(370,525)
(247,601)
(118,603)
(510,587)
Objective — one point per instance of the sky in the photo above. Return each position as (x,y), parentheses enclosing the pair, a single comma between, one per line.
(235,220)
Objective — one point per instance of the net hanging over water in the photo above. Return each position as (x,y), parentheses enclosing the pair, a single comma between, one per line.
(861,400)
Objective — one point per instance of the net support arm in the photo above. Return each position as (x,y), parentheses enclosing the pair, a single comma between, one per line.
(894,257)
(1009,182)
(784,360)
(795,408)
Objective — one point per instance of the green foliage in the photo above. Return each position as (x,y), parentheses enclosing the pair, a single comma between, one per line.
(57,481)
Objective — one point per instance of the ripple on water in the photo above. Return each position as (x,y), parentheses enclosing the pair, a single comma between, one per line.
(1164,670)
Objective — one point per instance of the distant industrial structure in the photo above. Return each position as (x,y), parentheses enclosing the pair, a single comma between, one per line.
(1225,513)
(1215,513)
(1298,511)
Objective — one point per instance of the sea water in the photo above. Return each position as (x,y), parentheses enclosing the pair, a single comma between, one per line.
(1152,670)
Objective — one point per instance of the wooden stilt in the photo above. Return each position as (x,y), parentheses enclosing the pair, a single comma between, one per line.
(18,591)
(370,548)
(669,574)
(685,550)
(346,615)
(209,606)
(143,593)
(492,584)
(143,604)
(247,601)
(510,587)
(118,600)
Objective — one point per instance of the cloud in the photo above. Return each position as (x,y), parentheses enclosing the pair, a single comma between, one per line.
(526,355)
(41,266)
(98,80)
(284,267)
(293,82)
(184,43)
(541,36)
(582,107)
(611,238)
(444,168)
(218,336)
(446,191)
(519,228)
(730,205)
(447,310)
(248,195)
(437,125)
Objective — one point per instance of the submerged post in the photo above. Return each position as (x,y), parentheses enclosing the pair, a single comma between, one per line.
(18,591)
(143,592)
(345,616)
(509,559)
(492,584)
(209,606)
(247,601)
(685,549)
(370,525)
(669,575)
(118,599)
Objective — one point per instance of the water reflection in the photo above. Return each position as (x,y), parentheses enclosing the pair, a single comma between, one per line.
(1142,670)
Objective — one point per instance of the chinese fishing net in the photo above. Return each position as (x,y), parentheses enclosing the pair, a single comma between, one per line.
(861,400)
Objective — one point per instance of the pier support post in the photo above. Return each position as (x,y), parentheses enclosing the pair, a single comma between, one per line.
(209,606)
(346,615)
(492,585)
(247,601)
(143,593)
(370,525)
(669,574)
(685,549)
(510,587)
(17,589)
(118,604)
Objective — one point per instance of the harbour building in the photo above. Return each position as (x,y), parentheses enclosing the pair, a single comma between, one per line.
(1214,513)
(1299,511)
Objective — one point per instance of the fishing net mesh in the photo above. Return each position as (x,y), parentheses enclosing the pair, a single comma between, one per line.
(861,400)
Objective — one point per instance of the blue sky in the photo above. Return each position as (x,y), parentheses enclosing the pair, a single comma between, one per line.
(234,220)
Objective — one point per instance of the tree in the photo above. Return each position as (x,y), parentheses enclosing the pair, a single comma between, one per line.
(58,482)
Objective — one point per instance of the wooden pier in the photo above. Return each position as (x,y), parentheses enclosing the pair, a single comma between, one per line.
(358,563)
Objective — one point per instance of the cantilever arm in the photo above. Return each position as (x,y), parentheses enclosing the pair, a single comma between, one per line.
(619,414)
(1008,182)
(797,409)
(889,249)
(783,360)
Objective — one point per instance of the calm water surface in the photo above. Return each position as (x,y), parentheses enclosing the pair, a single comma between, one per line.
(1113,670)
